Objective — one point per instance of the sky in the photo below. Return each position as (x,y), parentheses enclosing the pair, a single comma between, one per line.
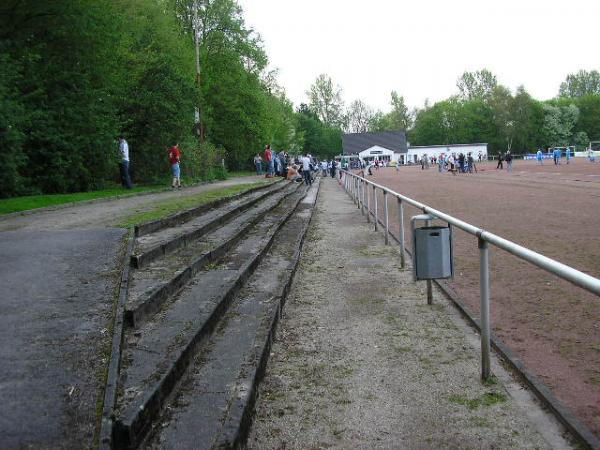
(419,48)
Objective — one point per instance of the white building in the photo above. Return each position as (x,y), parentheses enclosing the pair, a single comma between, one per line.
(383,146)
(378,153)
(414,154)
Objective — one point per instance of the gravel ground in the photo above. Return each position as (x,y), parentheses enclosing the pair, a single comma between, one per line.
(361,360)
(551,325)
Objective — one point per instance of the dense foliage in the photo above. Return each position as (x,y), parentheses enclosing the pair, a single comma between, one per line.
(74,74)
(488,112)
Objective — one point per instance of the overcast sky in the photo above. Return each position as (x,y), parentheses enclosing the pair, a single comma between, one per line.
(420,47)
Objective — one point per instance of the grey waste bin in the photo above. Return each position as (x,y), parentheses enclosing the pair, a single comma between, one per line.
(432,248)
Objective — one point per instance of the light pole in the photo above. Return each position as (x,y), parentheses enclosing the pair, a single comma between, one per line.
(198,111)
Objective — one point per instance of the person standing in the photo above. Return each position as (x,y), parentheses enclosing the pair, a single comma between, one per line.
(269,161)
(508,158)
(258,164)
(539,157)
(332,169)
(174,158)
(568,154)
(500,164)
(305,160)
(556,156)
(124,166)
(282,163)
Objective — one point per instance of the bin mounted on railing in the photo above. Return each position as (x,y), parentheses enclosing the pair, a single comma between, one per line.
(432,250)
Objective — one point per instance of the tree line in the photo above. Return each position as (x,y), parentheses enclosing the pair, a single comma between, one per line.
(75,74)
(485,111)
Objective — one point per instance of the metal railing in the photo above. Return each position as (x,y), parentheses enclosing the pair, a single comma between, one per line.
(358,189)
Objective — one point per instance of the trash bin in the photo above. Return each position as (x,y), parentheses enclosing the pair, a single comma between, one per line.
(432,250)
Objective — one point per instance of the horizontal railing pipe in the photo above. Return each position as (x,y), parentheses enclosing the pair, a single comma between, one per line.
(578,278)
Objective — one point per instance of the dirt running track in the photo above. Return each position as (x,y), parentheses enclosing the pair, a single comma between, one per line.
(553,326)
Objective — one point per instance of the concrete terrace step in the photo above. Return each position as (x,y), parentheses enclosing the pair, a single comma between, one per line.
(151,286)
(184,216)
(181,229)
(157,354)
(214,405)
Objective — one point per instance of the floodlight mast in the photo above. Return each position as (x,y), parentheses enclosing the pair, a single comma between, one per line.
(196,30)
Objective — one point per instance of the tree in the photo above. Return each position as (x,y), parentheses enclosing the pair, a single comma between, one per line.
(399,117)
(580,84)
(317,138)
(479,84)
(559,122)
(502,104)
(360,116)
(528,118)
(589,117)
(325,100)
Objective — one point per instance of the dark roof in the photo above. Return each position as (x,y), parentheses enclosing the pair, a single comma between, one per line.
(354,143)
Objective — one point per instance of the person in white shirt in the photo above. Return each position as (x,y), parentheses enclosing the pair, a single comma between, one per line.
(305,160)
(324,168)
(124,149)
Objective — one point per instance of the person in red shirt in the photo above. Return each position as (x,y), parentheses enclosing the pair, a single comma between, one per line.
(174,157)
(269,161)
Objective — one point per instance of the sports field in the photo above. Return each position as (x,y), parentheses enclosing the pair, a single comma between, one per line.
(553,326)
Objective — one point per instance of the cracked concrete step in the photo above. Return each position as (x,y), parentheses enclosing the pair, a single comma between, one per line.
(150,287)
(214,405)
(165,240)
(156,355)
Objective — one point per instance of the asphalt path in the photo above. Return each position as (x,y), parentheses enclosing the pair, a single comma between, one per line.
(59,272)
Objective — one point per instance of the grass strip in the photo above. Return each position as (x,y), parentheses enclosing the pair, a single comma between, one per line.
(18,204)
(165,208)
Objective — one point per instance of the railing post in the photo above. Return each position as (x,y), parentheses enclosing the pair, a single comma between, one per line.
(368,202)
(401,232)
(362,210)
(429,282)
(386,221)
(484,288)
(375,207)
(358,197)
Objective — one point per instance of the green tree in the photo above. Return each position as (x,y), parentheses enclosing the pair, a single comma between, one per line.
(317,138)
(479,84)
(360,116)
(580,84)
(399,118)
(325,99)
(589,117)
(559,123)
(528,116)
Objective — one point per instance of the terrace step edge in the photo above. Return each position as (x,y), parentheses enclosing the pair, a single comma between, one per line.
(239,418)
(133,427)
(183,216)
(141,260)
(154,301)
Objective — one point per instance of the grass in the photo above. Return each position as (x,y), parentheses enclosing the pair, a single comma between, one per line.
(241,173)
(171,206)
(18,204)
(487,399)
